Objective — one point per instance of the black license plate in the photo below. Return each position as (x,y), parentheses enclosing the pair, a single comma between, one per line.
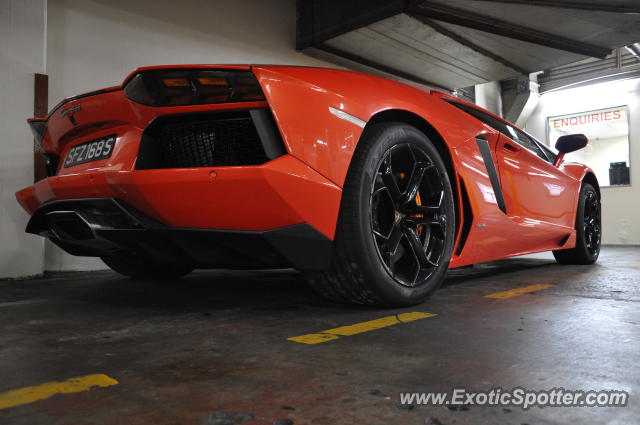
(90,151)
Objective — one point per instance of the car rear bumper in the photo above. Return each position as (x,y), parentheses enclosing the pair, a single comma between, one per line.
(197,209)
(279,193)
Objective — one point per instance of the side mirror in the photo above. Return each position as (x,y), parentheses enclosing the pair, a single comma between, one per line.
(569,143)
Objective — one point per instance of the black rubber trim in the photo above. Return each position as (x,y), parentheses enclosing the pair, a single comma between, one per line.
(268,132)
(485,151)
(102,227)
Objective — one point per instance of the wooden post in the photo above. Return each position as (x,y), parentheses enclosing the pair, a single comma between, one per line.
(40,105)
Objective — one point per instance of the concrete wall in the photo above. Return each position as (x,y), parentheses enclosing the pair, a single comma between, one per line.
(621,205)
(94,44)
(22,53)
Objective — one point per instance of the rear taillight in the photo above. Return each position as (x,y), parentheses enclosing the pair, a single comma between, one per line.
(192,87)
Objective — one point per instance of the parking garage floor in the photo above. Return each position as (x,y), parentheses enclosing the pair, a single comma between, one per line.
(214,348)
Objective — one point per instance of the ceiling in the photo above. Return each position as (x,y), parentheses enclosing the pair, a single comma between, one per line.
(458,43)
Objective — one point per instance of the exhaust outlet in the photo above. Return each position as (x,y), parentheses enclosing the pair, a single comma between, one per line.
(69,226)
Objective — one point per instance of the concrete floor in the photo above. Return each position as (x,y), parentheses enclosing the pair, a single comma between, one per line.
(212,348)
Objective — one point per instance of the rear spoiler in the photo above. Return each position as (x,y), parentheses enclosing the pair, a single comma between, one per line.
(39,126)
(80,96)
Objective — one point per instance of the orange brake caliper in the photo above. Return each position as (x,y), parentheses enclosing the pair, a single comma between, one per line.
(418,202)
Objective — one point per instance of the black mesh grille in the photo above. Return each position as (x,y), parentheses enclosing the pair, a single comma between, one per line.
(210,143)
(211,139)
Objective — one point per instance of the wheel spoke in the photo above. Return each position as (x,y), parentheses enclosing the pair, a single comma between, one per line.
(429,210)
(415,182)
(428,222)
(416,246)
(383,195)
(431,251)
(379,235)
(394,239)
(388,245)
(390,180)
(392,253)
(425,209)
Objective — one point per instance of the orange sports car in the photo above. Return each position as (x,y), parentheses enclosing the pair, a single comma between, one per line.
(371,187)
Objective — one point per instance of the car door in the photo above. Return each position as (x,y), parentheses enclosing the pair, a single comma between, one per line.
(533,188)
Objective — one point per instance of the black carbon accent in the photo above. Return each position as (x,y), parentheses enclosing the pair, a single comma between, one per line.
(268,132)
(467,218)
(110,227)
(485,151)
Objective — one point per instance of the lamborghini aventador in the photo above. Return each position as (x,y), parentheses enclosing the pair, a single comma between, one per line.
(371,187)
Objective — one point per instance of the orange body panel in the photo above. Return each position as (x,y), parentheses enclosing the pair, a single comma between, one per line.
(305,185)
(495,234)
(300,98)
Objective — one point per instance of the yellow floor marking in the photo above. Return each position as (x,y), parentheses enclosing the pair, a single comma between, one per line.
(49,389)
(358,328)
(519,291)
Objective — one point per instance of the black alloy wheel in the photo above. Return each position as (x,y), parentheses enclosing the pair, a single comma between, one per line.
(592,223)
(588,230)
(407,217)
(396,226)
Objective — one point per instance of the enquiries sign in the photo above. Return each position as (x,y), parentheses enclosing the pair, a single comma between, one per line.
(602,116)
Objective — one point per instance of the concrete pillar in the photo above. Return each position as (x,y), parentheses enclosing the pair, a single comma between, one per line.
(488,96)
(22,54)
(519,99)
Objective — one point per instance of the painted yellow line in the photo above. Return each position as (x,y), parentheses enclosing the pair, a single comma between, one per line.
(519,291)
(358,328)
(49,389)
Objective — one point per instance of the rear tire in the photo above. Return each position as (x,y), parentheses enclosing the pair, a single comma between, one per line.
(145,270)
(395,231)
(588,230)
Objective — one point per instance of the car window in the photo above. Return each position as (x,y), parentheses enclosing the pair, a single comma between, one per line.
(496,124)
(513,133)
(550,153)
(525,140)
